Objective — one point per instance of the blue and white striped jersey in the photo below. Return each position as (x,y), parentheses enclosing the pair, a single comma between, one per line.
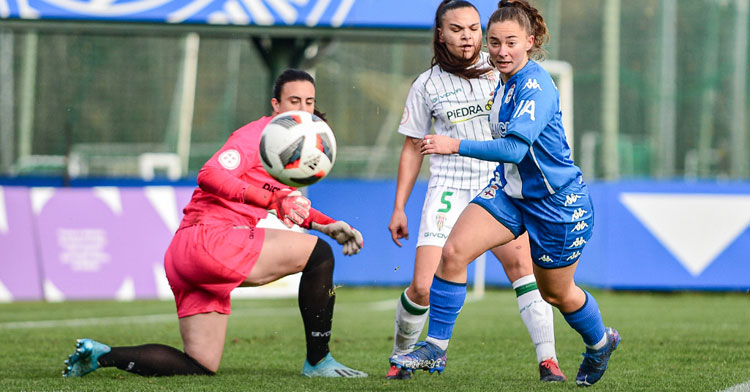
(530,109)
(458,108)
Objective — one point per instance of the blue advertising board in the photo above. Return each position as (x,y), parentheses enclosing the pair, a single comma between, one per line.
(648,235)
(411,14)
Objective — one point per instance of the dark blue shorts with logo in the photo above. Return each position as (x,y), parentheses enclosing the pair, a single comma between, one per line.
(559,225)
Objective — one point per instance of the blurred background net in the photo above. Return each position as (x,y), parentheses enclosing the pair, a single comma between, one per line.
(659,91)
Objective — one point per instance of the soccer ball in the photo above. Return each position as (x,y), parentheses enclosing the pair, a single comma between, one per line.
(297,148)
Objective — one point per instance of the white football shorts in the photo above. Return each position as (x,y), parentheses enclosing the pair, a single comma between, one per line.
(441,209)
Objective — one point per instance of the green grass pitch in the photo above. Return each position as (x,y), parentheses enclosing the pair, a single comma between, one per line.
(670,342)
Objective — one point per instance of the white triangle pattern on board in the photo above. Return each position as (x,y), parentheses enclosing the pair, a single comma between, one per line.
(126,292)
(39,197)
(695,228)
(52,293)
(163,291)
(5,295)
(164,201)
(110,195)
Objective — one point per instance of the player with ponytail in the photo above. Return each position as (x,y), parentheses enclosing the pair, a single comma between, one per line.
(454,97)
(537,189)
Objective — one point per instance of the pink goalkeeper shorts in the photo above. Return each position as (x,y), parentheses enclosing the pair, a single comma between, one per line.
(204,263)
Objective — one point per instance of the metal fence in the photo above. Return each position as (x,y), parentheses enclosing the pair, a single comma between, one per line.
(660,90)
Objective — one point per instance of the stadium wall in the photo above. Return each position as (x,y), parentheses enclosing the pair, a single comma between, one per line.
(104,242)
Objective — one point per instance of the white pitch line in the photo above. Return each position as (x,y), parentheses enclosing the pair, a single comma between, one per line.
(170,317)
(152,318)
(389,304)
(744,387)
(384,305)
(84,322)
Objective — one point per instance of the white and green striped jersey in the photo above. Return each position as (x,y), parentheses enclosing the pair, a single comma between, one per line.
(458,108)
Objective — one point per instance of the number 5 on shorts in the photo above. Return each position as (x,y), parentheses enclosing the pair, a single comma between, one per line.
(445,201)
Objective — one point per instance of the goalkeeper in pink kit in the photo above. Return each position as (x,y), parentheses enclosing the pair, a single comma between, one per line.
(219,247)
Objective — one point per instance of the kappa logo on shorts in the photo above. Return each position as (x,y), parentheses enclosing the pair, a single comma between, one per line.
(580,226)
(570,199)
(578,214)
(230,159)
(574,256)
(578,242)
(545,259)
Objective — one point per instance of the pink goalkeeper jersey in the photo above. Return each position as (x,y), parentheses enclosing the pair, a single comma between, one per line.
(223,179)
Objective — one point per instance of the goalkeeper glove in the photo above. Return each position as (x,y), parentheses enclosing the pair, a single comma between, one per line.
(345,235)
(289,206)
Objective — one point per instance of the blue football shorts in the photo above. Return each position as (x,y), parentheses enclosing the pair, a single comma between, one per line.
(559,225)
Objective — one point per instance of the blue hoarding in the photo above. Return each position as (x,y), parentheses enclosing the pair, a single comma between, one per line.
(647,235)
(411,14)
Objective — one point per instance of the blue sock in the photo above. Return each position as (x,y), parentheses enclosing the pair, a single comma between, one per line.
(587,321)
(446,300)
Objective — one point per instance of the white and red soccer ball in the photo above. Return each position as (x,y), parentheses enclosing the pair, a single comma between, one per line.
(297,148)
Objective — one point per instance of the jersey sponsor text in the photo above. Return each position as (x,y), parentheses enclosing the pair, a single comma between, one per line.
(466,112)
(442,236)
(526,107)
(446,95)
(498,129)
